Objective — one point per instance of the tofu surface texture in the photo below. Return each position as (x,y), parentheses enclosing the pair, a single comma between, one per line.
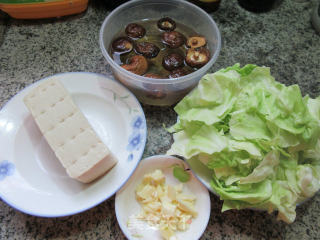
(69,134)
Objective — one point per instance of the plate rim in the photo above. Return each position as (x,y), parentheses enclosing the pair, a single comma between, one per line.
(164,156)
(145,134)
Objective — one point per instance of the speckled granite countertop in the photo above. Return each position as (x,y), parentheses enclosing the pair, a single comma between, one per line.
(282,39)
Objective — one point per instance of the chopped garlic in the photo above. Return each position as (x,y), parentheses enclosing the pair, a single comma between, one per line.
(165,206)
(154,178)
(167,233)
(179,188)
(171,193)
(187,207)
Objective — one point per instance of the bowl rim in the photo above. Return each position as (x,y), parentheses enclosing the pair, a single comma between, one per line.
(203,70)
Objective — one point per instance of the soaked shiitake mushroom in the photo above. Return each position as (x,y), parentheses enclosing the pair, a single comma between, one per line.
(134,30)
(147,49)
(160,49)
(156,94)
(178,73)
(173,39)
(196,42)
(152,75)
(166,24)
(172,61)
(138,64)
(197,57)
(122,45)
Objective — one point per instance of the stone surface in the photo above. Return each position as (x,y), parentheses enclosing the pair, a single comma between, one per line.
(282,39)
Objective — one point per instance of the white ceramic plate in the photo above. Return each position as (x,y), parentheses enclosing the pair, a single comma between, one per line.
(127,206)
(31,178)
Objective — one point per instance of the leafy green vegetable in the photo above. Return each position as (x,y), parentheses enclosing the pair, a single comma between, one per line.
(181,174)
(260,138)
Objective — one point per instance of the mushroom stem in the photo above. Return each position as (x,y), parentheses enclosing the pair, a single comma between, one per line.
(196,55)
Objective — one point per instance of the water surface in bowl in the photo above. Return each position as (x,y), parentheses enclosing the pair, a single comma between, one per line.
(153,35)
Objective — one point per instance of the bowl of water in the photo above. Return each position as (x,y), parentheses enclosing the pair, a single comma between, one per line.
(164,91)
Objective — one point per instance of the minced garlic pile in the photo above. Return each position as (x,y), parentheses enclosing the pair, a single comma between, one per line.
(165,206)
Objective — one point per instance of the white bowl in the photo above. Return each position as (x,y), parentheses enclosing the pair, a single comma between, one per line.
(127,206)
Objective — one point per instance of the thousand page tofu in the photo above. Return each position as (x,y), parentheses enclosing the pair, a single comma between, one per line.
(81,152)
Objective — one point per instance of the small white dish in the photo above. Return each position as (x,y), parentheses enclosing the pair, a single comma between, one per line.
(32,179)
(127,206)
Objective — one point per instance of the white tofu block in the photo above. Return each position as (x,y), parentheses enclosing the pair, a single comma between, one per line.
(68,132)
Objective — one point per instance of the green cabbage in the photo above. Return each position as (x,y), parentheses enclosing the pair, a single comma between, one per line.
(260,138)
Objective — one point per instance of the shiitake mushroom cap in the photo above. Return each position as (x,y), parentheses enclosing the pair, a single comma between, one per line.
(179,72)
(166,24)
(196,42)
(172,61)
(122,45)
(173,39)
(156,94)
(147,49)
(134,30)
(138,64)
(197,57)
(153,75)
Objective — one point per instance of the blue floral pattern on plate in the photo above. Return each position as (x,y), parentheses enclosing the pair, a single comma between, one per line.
(130,157)
(135,140)
(6,169)
(137,123)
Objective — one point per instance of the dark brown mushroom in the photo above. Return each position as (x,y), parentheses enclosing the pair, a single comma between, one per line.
(197,57)
(147,49)
(122,45)
(196,42)
(137,64)
(172,61)
(173,39)
(156,94)
(153,75)
(134,30)
(166,24)
(178,73)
